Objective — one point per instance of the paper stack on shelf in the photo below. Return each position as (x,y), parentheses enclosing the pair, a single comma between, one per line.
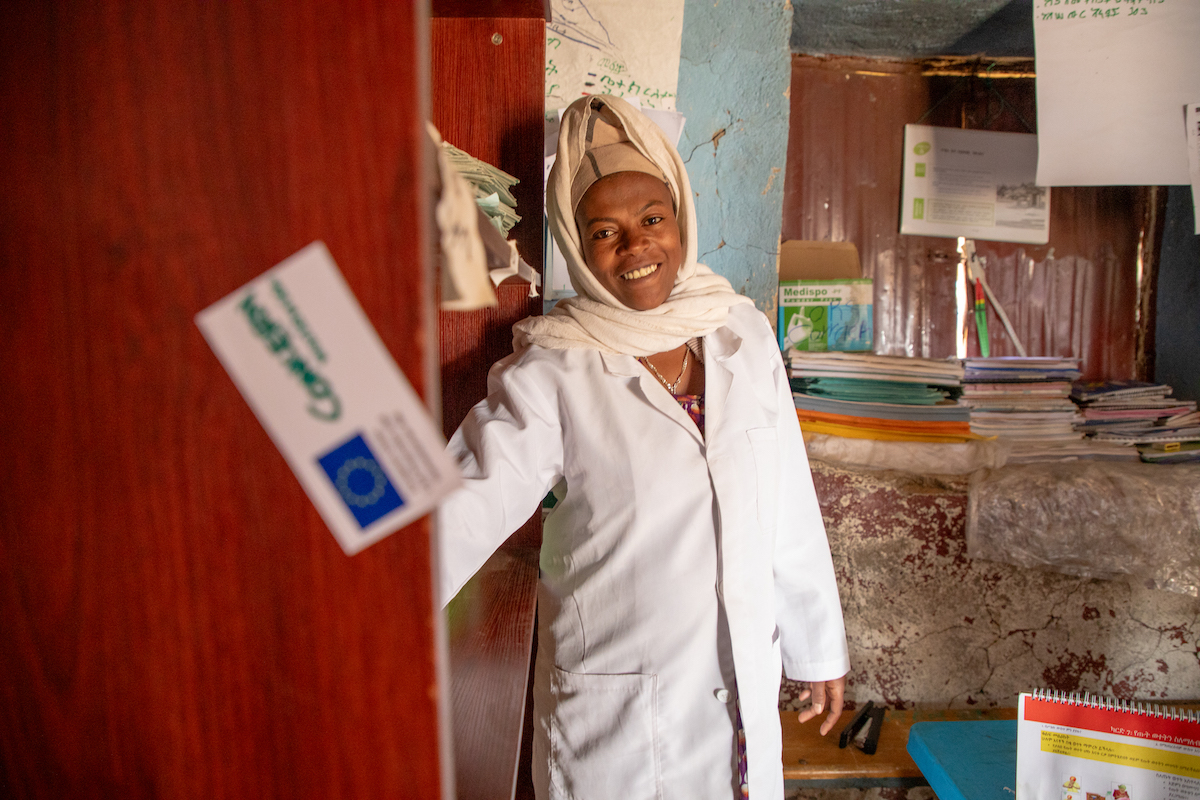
(865,396)
(491,186)
(1136,413)
(1026,401)
(1170,452)
(1016,369)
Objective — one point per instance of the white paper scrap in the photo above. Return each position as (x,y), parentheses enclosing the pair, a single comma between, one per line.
(312,368)
(465,284)
(1112,77)
(627,48)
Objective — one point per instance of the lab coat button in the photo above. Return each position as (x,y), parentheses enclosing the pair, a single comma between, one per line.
(722,695)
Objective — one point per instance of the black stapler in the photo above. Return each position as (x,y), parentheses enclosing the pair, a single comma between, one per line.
(868,717)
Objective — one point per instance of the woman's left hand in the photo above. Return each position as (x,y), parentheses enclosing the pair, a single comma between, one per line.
(824,693)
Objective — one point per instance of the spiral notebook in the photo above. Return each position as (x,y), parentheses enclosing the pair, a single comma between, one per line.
(1087,747)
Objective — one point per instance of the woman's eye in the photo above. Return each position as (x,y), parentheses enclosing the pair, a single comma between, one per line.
(602,234)
(653,220)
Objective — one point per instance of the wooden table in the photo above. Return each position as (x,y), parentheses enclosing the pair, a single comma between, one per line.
(816,761)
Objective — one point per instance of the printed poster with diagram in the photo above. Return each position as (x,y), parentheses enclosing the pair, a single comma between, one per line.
(1100,748)
(974,184)
(312,368)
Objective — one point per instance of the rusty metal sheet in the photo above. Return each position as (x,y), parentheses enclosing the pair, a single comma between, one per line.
(1075,296)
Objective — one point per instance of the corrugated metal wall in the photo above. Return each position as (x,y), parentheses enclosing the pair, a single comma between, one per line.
(1076,296)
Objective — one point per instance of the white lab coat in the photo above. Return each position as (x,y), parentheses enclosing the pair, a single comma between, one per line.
(671,564)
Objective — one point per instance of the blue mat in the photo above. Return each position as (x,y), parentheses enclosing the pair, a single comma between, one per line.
(967,760)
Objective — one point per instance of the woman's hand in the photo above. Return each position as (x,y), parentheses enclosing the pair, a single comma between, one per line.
(824,693)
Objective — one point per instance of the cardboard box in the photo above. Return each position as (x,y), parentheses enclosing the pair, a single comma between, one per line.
(824,302)
(818,261)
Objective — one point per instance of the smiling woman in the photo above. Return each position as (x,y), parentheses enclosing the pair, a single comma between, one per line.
(664,617)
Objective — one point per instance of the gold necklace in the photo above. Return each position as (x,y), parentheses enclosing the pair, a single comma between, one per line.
(671,387)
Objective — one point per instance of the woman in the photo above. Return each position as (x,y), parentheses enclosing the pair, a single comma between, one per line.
(685,561)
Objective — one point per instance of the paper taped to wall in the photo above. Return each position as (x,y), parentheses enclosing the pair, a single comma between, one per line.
(627,48)
(1193,150)
(975,184)
(1112,81)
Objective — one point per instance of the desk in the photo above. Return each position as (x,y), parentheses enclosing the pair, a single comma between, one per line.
(967,760)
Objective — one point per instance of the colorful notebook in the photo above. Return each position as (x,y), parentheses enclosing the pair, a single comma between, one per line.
(1086,747)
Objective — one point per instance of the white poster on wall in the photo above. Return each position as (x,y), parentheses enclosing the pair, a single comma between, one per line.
(1113,77)
(975,184)
(627,48)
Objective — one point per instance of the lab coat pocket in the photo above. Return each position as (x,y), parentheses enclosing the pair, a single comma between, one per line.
(764,443)
(604,737)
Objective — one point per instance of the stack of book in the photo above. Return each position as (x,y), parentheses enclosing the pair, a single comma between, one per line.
(865,396)
(1026,402)
(1170,452)
(1142,415)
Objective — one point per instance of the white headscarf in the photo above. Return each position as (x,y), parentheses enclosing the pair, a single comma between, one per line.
(595,319)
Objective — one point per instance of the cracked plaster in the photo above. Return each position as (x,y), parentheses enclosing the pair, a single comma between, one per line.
(928,626)
(915,793)
(734,75)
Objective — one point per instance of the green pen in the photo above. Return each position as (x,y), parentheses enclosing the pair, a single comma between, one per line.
(981,320)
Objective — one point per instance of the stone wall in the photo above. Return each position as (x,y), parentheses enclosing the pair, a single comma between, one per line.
(929,626)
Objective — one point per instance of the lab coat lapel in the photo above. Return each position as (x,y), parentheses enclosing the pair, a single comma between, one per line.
(719,346)
(651,390)
(720,363)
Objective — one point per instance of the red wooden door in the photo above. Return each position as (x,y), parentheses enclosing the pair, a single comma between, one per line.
(176,619)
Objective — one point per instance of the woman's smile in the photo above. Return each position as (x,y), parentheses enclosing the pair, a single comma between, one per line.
(640,273)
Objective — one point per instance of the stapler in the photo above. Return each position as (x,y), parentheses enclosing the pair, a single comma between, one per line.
(852,729)
(873,728)
(864,729)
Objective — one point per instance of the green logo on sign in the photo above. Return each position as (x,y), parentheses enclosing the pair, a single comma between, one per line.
(325,404)
(918,208)
(922,148)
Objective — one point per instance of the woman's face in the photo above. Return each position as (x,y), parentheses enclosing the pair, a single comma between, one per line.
(631,238)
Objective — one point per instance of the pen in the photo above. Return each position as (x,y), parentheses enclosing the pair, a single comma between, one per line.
(981,320)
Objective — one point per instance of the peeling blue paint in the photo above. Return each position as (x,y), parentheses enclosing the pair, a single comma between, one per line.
(734,74)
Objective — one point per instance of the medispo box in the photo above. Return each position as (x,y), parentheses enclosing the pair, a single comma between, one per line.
(824,302)
(826,315)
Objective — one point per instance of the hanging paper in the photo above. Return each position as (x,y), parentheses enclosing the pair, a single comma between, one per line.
(975,184)
(1193,148)
(1112,81)
(627,48)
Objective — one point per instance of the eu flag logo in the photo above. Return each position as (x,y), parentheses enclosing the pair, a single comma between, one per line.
(360,480)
